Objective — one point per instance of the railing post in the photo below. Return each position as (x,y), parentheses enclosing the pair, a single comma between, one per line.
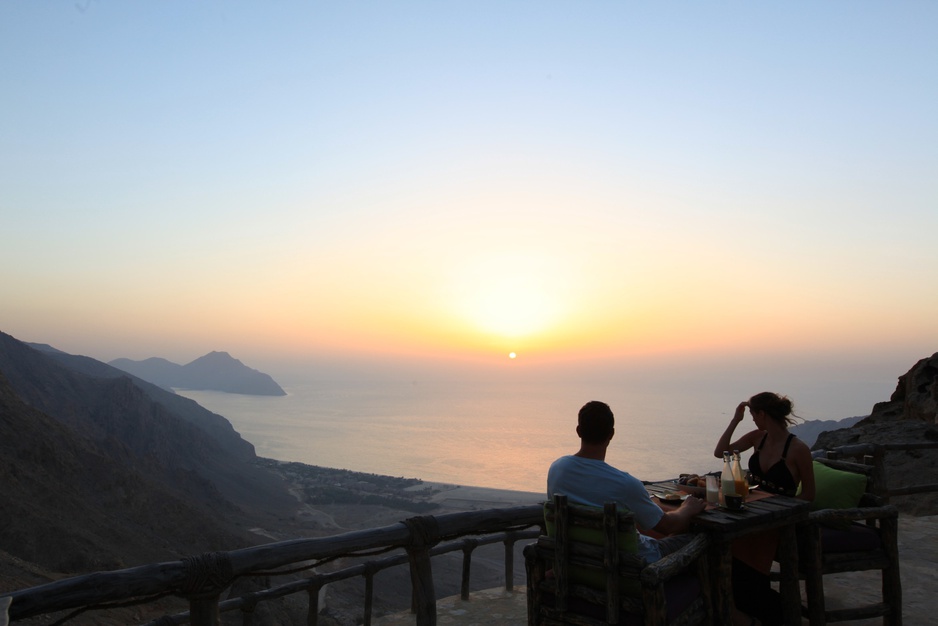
(468,546)
(207,575)
(880,482)
(423,534)
(247,611)
(369,592)
(312,613)
(509,562)
(203,610)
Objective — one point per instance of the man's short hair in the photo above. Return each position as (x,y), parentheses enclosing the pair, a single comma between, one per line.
(595,422)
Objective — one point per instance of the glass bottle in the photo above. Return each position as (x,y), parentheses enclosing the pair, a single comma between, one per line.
(739,478)
(727,481)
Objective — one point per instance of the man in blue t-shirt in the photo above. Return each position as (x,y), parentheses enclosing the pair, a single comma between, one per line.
(586,479)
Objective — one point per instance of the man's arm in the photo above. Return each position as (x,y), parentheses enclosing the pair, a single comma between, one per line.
(678,521)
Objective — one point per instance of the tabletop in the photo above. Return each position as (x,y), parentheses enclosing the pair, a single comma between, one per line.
(762,511)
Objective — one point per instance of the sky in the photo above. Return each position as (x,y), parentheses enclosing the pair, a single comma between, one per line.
(587,185)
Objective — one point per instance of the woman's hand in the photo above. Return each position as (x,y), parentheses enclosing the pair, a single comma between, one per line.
(724,442)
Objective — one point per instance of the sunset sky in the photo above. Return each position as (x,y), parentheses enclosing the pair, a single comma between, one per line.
(448,182)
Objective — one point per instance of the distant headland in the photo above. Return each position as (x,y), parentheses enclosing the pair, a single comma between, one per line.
(216,371)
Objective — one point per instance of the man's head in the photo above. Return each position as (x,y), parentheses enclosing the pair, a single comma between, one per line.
(595,423)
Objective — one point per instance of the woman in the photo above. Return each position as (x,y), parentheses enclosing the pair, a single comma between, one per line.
(780,463)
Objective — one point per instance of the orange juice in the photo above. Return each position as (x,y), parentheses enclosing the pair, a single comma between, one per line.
(742,488)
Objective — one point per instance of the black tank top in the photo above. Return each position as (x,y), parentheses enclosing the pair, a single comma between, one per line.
(778,478)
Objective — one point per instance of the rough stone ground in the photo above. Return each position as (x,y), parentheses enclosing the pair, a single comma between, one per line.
(918,553)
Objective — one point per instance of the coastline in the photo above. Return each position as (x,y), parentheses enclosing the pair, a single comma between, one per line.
(332,501)
(471,498)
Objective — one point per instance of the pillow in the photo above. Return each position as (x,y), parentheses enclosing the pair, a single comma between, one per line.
(836,489)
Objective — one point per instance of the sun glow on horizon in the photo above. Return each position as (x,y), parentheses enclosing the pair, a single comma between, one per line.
(511,295)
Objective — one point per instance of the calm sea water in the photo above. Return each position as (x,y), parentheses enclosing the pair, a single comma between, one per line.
(483,434)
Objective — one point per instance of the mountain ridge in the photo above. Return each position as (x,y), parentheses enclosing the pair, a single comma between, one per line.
(215,371)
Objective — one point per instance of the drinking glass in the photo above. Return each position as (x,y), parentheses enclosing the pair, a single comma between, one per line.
(713,490)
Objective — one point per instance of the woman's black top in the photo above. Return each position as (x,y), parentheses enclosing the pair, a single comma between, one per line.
(778,478)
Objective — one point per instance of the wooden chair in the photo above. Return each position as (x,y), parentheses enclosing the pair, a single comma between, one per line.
(586,572)
(859,538)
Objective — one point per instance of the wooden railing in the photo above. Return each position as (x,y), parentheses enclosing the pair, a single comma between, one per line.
(874,454)
(202,579)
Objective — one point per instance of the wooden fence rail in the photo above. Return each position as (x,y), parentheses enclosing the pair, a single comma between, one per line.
(202,579)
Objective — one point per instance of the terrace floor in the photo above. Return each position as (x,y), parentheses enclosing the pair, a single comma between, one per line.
(489,607)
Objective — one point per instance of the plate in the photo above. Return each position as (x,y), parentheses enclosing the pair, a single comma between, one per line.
(671,498)
(723,507)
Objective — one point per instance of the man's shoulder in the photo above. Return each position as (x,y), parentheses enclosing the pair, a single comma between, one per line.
(594,466)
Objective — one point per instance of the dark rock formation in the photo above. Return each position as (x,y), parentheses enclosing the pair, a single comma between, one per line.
(216,371)
(915,397)
(907,417)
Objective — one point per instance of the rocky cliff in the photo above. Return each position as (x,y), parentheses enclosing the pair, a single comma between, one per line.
(909,416)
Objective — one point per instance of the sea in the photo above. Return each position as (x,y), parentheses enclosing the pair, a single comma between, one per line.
(486,434)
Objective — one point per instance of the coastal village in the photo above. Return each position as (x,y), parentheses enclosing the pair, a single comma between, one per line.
(316,485)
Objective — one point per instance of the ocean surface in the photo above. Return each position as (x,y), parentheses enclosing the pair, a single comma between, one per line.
(476,433)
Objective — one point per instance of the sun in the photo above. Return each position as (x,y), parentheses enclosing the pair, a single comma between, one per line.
(512,355)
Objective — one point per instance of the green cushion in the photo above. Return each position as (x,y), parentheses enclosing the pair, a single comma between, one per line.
(836,489)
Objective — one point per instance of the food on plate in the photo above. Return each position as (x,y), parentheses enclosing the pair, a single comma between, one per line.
(691,480)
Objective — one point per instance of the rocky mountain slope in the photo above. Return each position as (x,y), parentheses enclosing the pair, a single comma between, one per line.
(216,371)
(94,457)
(74,504)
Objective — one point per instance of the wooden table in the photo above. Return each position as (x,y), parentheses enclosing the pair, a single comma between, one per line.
(772,512)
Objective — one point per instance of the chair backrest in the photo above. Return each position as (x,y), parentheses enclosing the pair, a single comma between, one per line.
(834,543)
(867,456)
(595,549)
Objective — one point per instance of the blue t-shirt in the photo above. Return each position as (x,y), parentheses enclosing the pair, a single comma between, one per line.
(591,482)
